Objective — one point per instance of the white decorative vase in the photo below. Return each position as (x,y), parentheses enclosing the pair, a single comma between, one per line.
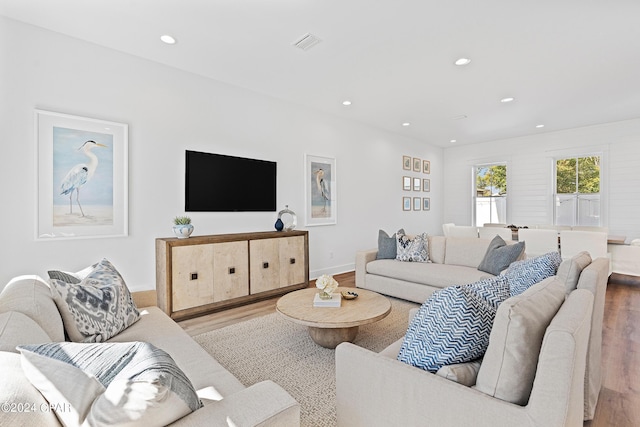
(183,231)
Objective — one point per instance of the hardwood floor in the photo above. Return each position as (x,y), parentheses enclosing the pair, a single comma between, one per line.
(619,401)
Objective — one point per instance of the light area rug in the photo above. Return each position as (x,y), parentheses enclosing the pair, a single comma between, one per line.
(273,348)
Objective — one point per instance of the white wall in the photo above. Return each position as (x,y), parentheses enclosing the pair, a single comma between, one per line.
(530,174)
(169,111)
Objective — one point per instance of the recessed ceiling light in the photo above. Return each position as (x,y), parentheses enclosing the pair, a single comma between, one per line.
(507,99)
(168,39)
(347,102)
(539,126)
(462,61)
(406,124)
(453,140)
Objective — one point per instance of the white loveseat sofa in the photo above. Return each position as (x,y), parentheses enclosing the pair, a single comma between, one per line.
(28,315)
(375,389)
(454,261)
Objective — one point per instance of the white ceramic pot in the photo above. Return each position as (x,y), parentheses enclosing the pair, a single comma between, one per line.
(183,231)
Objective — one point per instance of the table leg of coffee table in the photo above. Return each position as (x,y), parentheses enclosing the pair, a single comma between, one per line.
(331,337)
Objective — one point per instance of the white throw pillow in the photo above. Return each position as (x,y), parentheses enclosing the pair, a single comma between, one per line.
(110,384)
(97,308)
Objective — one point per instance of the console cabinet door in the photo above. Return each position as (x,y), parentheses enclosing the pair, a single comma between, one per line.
(192,276)
(230,270)
(292,261)
(265,265)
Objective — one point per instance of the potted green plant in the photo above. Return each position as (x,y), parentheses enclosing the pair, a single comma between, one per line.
(182,227)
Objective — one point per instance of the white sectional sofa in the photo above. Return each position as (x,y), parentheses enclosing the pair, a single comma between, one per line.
(454,261)
(375,389)
(28,315)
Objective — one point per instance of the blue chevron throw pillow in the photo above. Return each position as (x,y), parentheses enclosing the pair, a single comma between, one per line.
(453,325)
(523,274)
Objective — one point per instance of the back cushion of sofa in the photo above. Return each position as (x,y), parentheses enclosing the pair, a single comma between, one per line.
(509,365)
(437,246)
(31,296)
(466,251)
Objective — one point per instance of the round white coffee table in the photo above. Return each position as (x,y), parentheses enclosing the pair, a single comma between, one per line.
(329,326)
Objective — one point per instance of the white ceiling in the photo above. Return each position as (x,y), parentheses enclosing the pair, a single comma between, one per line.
(567,63)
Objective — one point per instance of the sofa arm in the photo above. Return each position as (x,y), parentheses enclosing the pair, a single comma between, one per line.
(262,404)
(372,389)
(362,259)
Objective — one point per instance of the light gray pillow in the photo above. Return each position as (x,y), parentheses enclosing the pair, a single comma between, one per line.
(570,269)
(462,373)
(510,362)
(499,255)
(387,245)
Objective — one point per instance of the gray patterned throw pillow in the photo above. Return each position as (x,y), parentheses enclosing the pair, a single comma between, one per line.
(414,249)
(98,307)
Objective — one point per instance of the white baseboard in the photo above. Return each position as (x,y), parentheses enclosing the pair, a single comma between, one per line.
(332,270)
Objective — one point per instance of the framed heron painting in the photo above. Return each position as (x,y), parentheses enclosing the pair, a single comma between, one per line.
(82,177)
(321,201)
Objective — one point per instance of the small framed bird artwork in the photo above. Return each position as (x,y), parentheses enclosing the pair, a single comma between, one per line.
(321,201)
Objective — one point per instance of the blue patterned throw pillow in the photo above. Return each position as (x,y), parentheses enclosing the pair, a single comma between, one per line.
(453,325)
(523,274)
(414,249)
(98,307)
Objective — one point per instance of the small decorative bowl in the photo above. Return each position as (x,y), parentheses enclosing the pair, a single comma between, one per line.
(349,295)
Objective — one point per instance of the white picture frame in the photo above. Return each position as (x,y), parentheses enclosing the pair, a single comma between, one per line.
(82,177)
(320,189)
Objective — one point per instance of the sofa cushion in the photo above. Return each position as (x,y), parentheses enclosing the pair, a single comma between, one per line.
(17,329)
(110,383)
(387,245)
(210,378)
(525,273)
(98,307)
(509,365)
(453,325)
(24,400)
(432,274)
(31,296)
(499,255)
(437,249)
(570,269)
(413,249)
(466,251)
(462,373)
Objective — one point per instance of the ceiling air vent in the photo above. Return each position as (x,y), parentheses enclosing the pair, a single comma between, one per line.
(307,41)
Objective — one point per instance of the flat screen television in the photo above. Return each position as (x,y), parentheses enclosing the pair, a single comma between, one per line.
(220,183)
